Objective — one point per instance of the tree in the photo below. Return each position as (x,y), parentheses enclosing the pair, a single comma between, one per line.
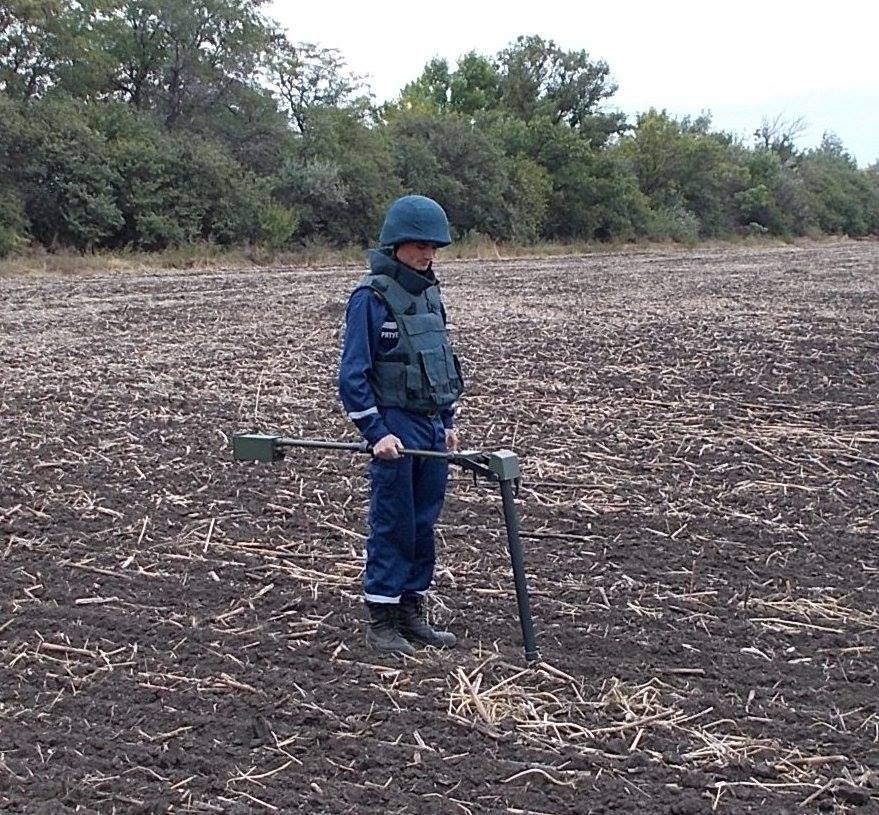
(135,40)
(178,57)
(62,176)
(173,57)
(474,86)
(313,190)
(340,179)
(779,136)
(527,200)
(684,168)
(774,196)
(845,200)
(429,93)
(173,188)
(99,174)
(147,123)
(540,79)
(13,221)
(593,193)
(14,227)
(249,123)
(307,77)
(35,45)
(448,158)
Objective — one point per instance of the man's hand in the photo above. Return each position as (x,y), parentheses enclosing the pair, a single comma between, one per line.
(452,440)
(387,448)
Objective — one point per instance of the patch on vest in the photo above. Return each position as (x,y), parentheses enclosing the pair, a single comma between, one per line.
(390,331)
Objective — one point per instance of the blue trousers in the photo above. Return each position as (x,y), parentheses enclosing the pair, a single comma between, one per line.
(406,497)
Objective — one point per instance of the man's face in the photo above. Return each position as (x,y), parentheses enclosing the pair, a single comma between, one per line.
(417,255)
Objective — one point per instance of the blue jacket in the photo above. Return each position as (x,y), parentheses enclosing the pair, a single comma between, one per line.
(370,329)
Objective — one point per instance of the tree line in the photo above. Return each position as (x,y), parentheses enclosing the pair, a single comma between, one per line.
(146,124)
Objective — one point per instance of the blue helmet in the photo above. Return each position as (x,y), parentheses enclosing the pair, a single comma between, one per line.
(415,219)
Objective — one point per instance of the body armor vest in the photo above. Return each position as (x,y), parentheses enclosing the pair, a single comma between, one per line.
(421,373)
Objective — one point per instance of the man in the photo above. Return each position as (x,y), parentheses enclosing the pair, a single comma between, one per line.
(399,381)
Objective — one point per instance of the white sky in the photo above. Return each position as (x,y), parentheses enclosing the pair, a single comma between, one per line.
(741,61)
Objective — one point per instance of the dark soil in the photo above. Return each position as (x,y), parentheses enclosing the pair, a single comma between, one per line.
(699,434)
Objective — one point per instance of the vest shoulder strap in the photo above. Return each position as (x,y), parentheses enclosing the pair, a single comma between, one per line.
(434,299)
(399,300)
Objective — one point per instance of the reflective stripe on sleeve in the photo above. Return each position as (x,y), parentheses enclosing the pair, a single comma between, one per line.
(360,414)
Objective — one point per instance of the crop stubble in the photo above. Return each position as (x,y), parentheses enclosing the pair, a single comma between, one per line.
(700,445)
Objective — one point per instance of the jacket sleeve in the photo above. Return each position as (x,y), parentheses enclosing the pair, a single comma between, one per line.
(363,321)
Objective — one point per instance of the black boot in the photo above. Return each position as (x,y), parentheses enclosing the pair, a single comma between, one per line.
(413,624)
(382,634)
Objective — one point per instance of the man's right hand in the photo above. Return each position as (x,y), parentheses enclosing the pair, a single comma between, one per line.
(387,448)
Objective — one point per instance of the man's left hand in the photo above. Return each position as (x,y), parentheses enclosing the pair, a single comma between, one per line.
(452,440)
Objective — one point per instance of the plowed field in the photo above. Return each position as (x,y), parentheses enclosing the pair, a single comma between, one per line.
(699,434)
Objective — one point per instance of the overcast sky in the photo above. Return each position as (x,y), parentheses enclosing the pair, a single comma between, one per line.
(742,61)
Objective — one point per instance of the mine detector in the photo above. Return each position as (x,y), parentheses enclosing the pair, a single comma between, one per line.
(500,467)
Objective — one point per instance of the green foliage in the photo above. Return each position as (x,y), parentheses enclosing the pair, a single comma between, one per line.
(147,124)
(778,136)
(61,173)
(683,167)
(569,163)
(277,226)
(315,191)
(528,199)
(342,177)
(174,191)
(655,151)
(449,159)
(229,198)
(845,200)
(774,197)
(540,79)
(157,212)
(14,225)
(475,85)
(672,222)
(593,194)
(308,77)
(37,44)
(174,57)
(150,180)
(100,175)
(509,179)
(757,205)
(430,93)
(179,57)
(13,222)
(250,125)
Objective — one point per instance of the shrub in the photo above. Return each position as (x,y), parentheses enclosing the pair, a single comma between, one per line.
(277,226)
(13,222)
